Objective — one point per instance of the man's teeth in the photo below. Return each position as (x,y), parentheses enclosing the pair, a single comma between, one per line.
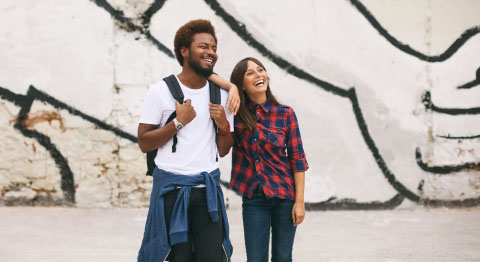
(208,60)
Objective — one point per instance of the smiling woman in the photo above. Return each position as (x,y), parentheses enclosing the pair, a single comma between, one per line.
(268,165)
(250,74)
(255,82)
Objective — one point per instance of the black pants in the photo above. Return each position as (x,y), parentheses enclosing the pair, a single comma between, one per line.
(204,237)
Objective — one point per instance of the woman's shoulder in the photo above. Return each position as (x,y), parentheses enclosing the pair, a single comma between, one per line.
(283,109)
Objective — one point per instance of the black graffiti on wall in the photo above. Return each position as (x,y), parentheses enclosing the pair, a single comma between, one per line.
(129,25)
(429,105)
(457,44)
(443,170)
(458,137)
(473,83)
(67,180)
(447,169)
(241,30)
(427,100)
(25,103)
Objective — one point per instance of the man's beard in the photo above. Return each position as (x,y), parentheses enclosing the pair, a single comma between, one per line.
(195,65)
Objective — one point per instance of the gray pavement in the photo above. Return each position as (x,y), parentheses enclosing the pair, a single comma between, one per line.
(114,235)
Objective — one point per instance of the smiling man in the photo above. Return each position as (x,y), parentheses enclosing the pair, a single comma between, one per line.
(187,220)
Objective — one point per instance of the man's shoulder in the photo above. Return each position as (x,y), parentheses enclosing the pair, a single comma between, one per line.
(158,86)
(159,89)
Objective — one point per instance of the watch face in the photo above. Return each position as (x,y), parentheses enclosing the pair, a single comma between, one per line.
(178,125)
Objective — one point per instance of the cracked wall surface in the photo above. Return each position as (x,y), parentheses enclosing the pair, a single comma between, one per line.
(386,92)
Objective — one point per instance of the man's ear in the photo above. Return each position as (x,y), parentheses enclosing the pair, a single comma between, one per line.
(184,51)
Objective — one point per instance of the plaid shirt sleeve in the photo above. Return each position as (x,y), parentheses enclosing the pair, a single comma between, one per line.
(295,152)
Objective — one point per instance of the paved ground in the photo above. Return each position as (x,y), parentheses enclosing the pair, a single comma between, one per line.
(113,235)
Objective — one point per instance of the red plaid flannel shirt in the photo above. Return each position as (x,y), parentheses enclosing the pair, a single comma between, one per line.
(270,155)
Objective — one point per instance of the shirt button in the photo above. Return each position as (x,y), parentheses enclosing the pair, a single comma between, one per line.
(256,160)
(255,140)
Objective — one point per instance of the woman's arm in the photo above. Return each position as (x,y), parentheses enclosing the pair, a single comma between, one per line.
(233,102)
(299,164)
(298,210)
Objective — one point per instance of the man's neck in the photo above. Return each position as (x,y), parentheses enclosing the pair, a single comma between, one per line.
(191,79)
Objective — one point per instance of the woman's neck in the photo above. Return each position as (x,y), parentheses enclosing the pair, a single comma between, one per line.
(259,99)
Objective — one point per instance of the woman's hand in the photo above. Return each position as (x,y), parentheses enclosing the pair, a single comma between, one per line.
(233,102)
(298,213)
(298,210)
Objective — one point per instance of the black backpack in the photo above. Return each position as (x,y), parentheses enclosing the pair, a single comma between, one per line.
(174,86)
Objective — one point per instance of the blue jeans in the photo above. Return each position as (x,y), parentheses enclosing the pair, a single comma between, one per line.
(259,214)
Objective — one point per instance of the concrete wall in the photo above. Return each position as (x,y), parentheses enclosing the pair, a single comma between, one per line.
(387,94)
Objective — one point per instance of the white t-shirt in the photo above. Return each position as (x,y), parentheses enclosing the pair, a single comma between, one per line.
(196,149)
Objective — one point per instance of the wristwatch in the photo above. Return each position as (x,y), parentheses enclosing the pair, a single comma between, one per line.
(178,125)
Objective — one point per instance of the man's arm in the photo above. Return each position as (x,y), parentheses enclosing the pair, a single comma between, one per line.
(149,137)
(225,137)
(224,143)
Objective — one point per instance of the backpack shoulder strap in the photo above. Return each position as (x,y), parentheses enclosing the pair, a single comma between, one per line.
(174,87)
(152,154)
(215,97)
(177,93)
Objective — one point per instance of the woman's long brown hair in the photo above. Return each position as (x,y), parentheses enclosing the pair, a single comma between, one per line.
(247,118)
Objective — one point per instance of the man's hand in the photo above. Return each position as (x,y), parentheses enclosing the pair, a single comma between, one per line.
(218,114)
(233,102)
(225,140)
(185,112)
(298,213)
